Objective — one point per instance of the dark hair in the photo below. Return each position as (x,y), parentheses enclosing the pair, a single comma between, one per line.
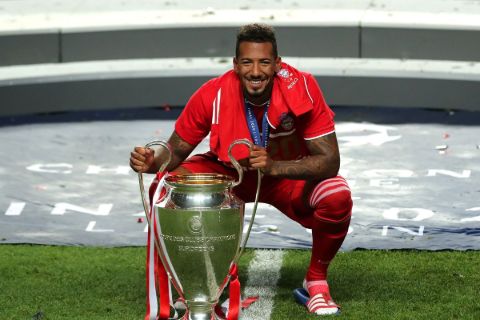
(256,32)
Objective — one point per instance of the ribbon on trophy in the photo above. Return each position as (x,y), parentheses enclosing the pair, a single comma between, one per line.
(155,268)
(234,292)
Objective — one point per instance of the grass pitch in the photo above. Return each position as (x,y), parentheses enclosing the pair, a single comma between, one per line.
(45,282)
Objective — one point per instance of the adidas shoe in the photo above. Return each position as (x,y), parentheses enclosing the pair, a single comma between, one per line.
(321,303)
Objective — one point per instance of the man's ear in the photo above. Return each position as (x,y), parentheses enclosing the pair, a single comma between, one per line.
(235,65)
(278,64)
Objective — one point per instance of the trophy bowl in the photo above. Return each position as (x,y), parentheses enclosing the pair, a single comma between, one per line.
(199,225)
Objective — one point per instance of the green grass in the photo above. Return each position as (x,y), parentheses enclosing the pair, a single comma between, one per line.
(391,285)
(109,283)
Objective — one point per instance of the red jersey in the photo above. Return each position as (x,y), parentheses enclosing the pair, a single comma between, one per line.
(297,112)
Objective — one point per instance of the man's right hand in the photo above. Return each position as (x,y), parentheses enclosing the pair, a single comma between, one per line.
(142,159)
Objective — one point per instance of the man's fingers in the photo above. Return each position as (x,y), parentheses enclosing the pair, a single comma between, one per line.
(149,152)
(136,162)
(142,154)
(138,166)
(143,151)
(140,150)
(137,156)
(258,153)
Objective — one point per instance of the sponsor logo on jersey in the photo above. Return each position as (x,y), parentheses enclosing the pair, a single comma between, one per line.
(287,76)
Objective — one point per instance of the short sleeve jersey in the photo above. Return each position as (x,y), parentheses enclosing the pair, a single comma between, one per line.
(286,141)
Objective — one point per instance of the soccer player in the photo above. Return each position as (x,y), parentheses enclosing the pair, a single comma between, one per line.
(283,112)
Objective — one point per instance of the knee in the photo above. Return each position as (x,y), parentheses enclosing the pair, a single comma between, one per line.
(332,200)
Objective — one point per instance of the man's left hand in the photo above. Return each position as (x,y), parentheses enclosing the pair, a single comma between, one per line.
(259,159)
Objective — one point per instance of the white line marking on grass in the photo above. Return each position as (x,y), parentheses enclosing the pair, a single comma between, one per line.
(263,275)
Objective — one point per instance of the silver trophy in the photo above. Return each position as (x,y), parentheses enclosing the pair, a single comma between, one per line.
(199,223)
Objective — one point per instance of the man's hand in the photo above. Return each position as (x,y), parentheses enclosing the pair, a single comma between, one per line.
(142,159)
(259,159)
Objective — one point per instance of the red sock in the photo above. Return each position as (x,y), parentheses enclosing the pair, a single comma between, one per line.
(333,205)
(324,248)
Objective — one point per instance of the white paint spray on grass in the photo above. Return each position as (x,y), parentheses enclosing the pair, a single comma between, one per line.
(263,275)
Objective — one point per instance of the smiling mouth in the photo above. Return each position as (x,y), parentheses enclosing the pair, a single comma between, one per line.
(255,82)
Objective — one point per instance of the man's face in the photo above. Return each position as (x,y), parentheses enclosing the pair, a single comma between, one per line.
(255,67)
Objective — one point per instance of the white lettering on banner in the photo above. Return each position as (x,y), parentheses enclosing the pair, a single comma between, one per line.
(401,229)
(388,173)
(265,228)
(379,137)
(62,207)
(51,168)
(92,169)
(421,214)
(91,226)
(257,216)
(464,174)
(384,183)
(471,219)
(15,209)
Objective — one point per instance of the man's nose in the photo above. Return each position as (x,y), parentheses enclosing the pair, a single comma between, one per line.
(256,70)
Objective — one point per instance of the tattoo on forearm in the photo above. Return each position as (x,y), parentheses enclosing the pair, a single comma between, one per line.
(321,164)
(181,150)
(305,169)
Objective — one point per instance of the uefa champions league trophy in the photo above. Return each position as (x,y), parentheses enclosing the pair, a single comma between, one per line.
(199,223)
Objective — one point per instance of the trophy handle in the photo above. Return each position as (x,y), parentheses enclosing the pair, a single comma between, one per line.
(240,178)
(234,161)
(146,206)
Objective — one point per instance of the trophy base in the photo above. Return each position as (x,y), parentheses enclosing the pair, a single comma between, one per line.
(199,312)
(213,316)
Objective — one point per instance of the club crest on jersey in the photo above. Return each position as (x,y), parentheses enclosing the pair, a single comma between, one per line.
(286,121)
(284,73)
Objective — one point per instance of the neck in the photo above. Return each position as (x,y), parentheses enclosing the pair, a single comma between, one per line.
(257,104)
(261,100)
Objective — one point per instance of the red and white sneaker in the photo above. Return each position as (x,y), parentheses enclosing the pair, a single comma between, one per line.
(320,301)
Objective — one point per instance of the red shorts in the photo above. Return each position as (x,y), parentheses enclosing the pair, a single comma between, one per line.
(288,196)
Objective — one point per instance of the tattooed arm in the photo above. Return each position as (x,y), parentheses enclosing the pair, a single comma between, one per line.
(145,160)
(322,163)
